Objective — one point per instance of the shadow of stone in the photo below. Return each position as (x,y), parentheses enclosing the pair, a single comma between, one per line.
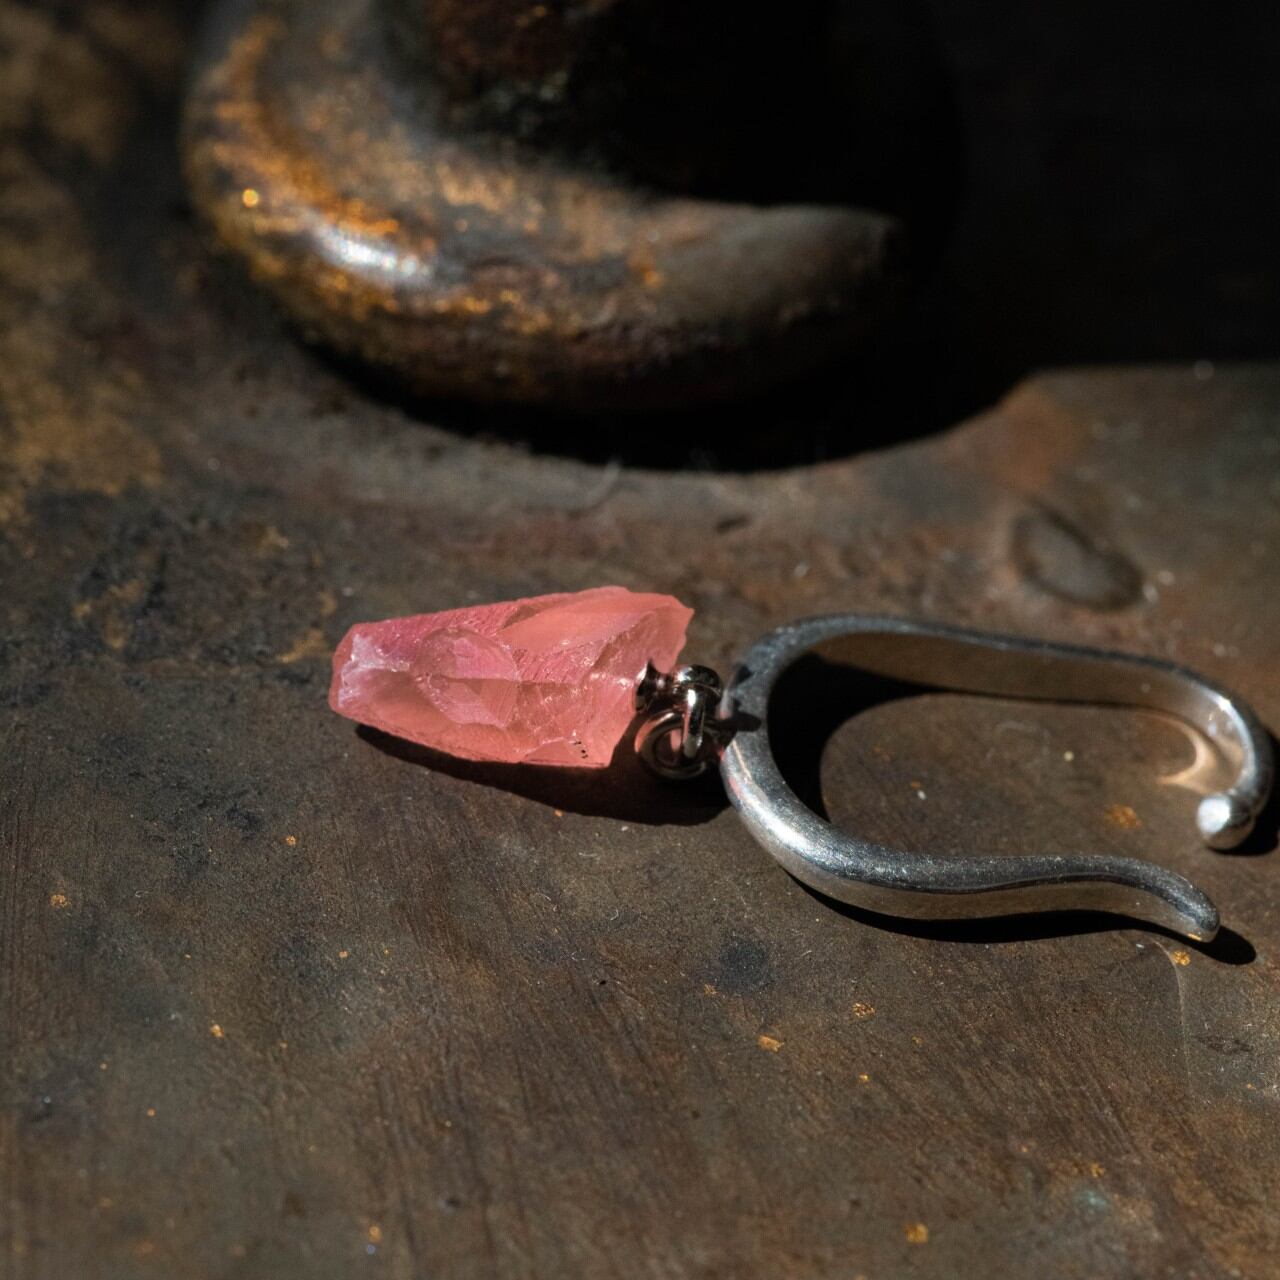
(625,790)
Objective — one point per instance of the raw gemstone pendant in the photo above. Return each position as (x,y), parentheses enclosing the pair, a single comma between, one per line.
(546,680)
(557,679)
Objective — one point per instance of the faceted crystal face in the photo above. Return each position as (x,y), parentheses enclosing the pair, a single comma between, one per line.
(545,680)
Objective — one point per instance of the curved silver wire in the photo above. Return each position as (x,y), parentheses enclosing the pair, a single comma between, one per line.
(925,886)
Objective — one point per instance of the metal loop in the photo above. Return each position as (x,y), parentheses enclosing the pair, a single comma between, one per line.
(680,739)
(922,885)
(661,742)
(693,726)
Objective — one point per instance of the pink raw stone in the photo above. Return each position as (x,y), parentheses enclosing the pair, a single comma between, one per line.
(547,680)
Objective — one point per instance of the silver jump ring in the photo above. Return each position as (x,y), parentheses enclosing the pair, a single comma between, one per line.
(661,744)
(681,738)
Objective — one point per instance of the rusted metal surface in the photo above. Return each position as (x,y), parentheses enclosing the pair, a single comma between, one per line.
(278,998)
(529,205)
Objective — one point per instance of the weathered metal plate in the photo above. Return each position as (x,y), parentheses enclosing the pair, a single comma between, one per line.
(282,999)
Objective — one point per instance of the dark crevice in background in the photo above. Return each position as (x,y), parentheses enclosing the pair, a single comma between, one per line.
(1122,195)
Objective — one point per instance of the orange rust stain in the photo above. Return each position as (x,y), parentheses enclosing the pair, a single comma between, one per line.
(1181,958)
(62,78)
(58,900)
(916,1233)
(310,645)
(863,1010)
(769,1043)
(270,539)
(77,436)
(282,188)
(1122,816)
(113,609)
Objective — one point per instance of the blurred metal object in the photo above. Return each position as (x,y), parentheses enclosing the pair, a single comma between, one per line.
(924,886)
(588,206)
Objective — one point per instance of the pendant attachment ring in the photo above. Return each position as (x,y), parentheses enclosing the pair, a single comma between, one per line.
(681,737)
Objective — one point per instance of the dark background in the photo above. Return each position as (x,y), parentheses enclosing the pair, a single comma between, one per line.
(1122,193)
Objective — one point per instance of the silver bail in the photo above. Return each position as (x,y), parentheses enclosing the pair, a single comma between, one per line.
(680,738)
(909,882)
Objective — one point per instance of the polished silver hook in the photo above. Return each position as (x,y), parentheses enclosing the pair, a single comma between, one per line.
(922,885)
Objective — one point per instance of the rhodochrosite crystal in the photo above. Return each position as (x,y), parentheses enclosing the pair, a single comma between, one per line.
(547,680)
